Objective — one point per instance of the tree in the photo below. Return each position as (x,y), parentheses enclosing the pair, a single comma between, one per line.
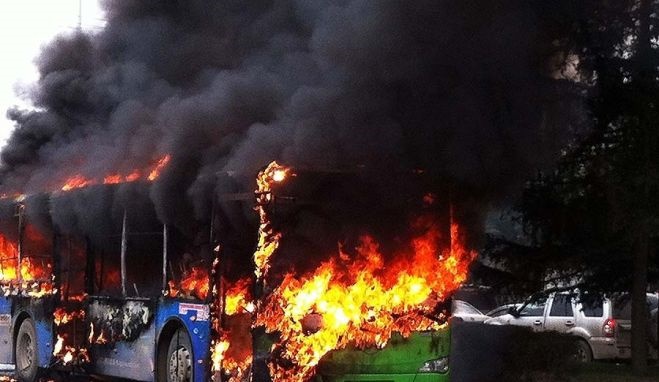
(595,215)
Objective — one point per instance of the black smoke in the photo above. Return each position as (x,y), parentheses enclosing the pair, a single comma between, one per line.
(461,89)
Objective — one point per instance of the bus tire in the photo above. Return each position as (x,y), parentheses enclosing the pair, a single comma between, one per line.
(180,363)
(25,349)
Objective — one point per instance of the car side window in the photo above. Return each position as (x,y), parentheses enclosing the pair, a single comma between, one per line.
(535,307)
(562,306)
(593,308)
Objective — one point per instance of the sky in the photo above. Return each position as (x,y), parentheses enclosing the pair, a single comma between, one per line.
(25,26)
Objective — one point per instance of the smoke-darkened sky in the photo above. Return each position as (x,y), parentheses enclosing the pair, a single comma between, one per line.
(458,88)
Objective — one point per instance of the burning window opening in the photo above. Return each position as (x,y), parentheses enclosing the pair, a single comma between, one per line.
(33,277)
(68,325)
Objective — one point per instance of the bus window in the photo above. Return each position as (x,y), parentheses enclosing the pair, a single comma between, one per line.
(37,254)
(73,263)
(189,263)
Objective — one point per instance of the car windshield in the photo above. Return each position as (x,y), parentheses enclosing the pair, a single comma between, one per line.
(461,307)
(535,306)
(501,310)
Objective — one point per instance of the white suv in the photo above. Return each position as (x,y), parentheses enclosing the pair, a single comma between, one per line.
(602,325)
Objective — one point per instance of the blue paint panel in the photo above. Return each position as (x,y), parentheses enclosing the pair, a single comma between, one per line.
(45,338)
(196,320)
(5,330)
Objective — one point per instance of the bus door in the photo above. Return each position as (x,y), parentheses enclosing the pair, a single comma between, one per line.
(122,335)
(121,312)
(8,266)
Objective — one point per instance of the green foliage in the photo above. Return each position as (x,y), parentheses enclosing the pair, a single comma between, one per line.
(586,216)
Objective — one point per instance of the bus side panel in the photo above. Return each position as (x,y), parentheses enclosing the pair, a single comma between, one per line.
(5,331)
(195,318)
(40,311)
(131,360)
(45,337)
(130,330)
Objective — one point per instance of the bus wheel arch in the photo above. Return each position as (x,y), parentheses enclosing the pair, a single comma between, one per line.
(174,346)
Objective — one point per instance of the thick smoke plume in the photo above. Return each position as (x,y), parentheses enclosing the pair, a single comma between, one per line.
(461,89)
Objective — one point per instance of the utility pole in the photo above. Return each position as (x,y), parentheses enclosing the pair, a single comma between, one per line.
(79,15)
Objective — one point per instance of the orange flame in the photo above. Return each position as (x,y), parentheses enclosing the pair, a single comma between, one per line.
(8,260)
(98,340)
(92,336)
(162,163)
(195,283)
(238,298)
(61,350)
(79,180)
(76,181)
(268,241)
(361,302)
(35,274)
(219,348)
(61,316)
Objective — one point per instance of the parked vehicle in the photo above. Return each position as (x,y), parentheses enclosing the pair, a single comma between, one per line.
(602,325)
(464,311)
(501,310)
(622,312)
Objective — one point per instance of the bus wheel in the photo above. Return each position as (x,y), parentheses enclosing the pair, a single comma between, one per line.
(179,358)
(25,347)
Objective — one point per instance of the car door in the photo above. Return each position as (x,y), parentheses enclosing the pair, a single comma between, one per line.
(532,313)
(560,314)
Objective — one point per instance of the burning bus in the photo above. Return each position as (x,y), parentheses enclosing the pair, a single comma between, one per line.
(315,275)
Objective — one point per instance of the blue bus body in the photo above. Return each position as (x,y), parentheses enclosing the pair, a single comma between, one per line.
(15,309)
(137,358)
(138,327)
(131,359)
(141,324)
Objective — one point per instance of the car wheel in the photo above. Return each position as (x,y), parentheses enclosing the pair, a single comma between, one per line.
(582,352)
(25,348)
(179,358)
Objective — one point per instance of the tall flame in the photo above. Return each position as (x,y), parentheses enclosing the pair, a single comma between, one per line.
(268,239)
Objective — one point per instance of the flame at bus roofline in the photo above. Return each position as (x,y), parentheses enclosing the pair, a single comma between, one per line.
(153,171)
